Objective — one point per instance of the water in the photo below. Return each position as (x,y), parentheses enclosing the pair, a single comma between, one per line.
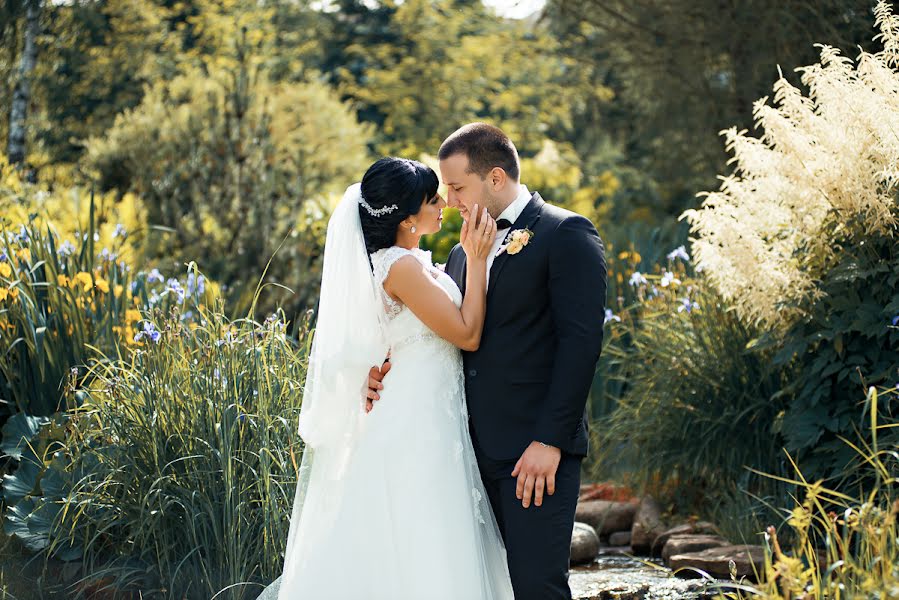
(615,576)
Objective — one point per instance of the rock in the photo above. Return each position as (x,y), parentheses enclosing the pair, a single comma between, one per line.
(584,544)
(647,525)
(606,517)
(687,528)
(605,491)
(688,543)
(620,538)
(748,561)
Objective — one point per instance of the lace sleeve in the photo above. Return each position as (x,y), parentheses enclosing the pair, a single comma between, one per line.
(382,261)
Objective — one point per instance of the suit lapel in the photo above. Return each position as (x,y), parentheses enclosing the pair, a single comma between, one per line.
(525,220)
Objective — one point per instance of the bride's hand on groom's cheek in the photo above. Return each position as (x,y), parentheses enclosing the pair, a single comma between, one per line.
(375,385)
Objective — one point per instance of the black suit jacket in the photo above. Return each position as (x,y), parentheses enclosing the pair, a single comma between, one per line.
(530,377)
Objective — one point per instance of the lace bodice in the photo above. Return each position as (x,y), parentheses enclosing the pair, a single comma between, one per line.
(403,326)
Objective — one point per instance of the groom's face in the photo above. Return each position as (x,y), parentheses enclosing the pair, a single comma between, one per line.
(463,189)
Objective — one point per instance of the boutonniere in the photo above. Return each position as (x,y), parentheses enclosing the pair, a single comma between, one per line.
(516,241)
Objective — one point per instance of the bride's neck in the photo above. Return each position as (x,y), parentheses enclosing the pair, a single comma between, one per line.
(407,240)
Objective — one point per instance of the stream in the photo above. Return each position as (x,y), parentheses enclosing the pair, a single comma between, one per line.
(615,576)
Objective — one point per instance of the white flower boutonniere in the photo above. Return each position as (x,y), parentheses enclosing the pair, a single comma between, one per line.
(516,241)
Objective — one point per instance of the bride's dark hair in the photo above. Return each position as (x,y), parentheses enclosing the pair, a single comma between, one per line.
(400,181)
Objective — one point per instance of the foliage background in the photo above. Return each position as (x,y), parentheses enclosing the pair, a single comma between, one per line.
(183,157)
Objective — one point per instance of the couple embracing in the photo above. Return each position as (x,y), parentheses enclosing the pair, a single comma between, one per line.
(454,471)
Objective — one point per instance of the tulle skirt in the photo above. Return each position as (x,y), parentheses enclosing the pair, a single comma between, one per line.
(407,516)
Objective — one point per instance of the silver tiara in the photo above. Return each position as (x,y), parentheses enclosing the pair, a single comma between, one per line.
(377,212)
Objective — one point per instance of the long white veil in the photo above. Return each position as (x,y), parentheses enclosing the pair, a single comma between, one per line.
(349,339)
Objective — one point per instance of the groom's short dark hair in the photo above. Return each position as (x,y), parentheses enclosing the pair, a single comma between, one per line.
(485,146)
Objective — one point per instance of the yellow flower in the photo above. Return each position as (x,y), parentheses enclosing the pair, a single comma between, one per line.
(24,254)
(13,293)
(3,294)
(62,280)
(132,315)
(522,236)
(118,290)
(102,285)
(85,279)
(623,255)
(518,240)
(5,269)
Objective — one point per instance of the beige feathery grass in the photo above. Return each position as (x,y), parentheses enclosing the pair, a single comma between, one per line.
(826,163)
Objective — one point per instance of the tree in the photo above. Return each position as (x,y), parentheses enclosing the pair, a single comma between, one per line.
(683,70)
(422,88)
(22,93)
(228,163)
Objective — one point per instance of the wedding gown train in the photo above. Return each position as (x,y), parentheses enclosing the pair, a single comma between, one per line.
(410,519)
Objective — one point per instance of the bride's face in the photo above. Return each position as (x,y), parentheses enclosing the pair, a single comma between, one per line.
(429,217)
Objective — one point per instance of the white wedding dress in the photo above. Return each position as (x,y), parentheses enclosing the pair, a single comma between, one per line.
(411,519)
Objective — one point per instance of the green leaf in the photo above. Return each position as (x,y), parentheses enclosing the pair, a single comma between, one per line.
(21,482)
(18,431)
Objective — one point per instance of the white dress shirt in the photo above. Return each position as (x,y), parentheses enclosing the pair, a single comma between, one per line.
(512,212)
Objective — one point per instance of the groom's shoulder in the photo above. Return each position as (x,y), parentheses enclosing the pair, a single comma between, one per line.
(554,216)
(452,252)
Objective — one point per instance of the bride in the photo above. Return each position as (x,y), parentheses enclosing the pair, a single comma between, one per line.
(389,503)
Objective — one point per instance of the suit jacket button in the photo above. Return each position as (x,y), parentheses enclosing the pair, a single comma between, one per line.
(472,372)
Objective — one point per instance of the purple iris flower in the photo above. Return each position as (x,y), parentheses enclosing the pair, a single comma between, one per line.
(67,249)
(155,276)
(174,285)
(195,284)
(687,305)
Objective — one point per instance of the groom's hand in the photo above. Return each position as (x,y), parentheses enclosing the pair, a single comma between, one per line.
(536,472)
(375,377)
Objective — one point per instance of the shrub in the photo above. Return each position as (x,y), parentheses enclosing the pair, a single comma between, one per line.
(802,240)
(57,301)
(179,467)
(845,546)
(64,306)
(825,164)
(696,405)
(229,164)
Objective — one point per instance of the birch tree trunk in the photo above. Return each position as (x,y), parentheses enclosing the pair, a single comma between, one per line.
(22,93)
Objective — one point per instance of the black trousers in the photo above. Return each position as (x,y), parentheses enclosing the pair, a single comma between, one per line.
(537,538)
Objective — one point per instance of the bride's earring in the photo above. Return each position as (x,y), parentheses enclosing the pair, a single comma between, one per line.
(413,229)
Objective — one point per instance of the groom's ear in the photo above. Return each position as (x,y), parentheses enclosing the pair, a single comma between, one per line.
(498,178)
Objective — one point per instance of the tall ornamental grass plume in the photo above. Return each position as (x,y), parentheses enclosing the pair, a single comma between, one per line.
(185,459)
(826,164)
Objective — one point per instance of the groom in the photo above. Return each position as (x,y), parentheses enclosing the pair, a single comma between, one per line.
(527,384)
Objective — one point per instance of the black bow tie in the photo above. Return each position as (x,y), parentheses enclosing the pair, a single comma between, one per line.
(503,224)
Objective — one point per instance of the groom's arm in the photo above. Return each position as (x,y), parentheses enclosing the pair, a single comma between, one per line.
(454,263)
(577,291)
